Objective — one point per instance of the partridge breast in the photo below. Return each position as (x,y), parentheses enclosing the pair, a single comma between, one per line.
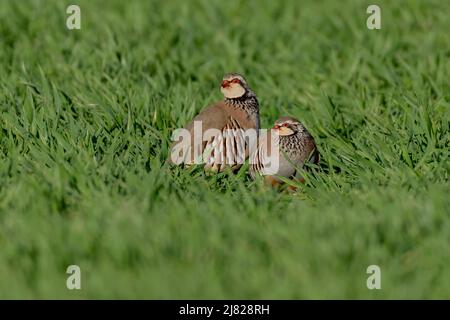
(269,159)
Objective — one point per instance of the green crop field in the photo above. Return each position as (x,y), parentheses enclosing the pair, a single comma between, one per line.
(86,118)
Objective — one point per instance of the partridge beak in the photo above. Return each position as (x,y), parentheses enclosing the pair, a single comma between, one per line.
(225,84)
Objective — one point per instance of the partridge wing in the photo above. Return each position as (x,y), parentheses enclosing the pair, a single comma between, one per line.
(213,117)
(266,156)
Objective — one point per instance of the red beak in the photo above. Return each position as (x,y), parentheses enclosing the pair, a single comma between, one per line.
(225,83)
(276,127)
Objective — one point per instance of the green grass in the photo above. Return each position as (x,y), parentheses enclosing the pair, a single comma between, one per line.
(86,118)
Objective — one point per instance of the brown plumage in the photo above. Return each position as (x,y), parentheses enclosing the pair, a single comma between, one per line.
(227,146)
(282,150)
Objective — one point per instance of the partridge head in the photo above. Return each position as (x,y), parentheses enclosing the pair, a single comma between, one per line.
(234,86)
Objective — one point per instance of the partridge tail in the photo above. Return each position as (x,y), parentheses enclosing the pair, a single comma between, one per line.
(315,157)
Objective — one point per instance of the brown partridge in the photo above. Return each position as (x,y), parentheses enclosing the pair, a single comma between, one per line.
(282,150)
(223,129)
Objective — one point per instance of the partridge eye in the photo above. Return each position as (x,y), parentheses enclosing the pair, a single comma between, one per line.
(285,124)
(236,81)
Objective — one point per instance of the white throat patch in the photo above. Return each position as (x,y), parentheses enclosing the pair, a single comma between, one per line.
(285,131)
(234,90)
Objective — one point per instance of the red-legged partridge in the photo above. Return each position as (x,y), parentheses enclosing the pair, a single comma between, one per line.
(224,145)
(283,150)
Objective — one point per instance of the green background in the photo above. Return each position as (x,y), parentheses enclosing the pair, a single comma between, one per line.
(85,122)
